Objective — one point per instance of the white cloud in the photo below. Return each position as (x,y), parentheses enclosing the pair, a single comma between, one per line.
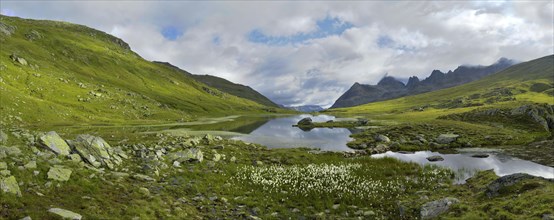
(423,36)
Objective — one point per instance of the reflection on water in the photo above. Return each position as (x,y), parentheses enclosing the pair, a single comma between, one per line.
(466,166)
(279,133)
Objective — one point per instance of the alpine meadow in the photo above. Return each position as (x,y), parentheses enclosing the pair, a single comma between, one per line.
(276,110)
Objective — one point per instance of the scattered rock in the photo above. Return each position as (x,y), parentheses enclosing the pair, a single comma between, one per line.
(6,29)
(5,173)
(435,208)
(480,155)
(447,138)
(3,137)
(65,214)
(368,213)
(336,206)
(144,191)
(33,35)
(382,138)
(216,157)
(10,185)
(380,148)
(26,218)
(59,173)
(176,164)
(18,59)
(10,151)
(55,143)
(143,178)
(31,165)
(435,158)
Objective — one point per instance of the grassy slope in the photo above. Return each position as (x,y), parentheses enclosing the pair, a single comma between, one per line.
(47,90)
(518,79)
(235,89)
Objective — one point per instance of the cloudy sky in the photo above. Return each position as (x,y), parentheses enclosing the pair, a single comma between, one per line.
(308,52)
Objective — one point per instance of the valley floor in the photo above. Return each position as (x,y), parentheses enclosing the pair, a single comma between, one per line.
(163,176)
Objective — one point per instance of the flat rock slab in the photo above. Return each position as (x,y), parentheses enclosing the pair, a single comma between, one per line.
(55,143)
(65,214)
(59,173)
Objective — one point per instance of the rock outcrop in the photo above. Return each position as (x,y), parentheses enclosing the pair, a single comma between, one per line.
(97,152)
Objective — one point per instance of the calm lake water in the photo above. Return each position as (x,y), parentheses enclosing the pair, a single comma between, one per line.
(279,133)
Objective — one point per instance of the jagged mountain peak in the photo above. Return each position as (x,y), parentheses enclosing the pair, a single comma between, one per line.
(390,81)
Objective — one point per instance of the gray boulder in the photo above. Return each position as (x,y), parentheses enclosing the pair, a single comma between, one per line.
(305,122)
(188,155)
(19,59)
(435,208)
(65,214)
(447,138)
(55,143)
(97,152)
(382,138)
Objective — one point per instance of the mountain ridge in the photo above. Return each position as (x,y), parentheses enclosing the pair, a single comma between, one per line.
(389,87)
(227,86)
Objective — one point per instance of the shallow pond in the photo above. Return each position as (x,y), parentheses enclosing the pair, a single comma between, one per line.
(465,166)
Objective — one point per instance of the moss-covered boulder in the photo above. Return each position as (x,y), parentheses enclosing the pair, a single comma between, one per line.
(9,185)
(447,138)
(55,143)
(435,208)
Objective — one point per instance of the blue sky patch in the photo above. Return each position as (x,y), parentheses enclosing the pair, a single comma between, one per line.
(326,27)
(385,41)
(216,40)
(171,32)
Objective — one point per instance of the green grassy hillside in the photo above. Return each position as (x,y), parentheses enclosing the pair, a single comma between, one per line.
(57,72)
(226,86)
(235,89)
(528,82)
